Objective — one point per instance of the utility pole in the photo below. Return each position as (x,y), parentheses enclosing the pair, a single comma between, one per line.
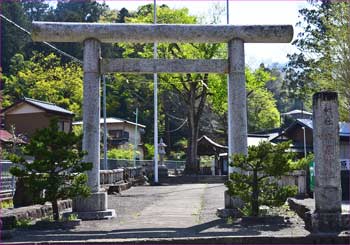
(155,80)
(105,160)
(135,142)
(303,128)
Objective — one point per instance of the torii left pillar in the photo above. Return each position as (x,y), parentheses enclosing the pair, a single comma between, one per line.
(95,206)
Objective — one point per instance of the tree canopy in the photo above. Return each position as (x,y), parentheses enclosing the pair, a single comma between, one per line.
(322,59)
(262,110)
(44,78)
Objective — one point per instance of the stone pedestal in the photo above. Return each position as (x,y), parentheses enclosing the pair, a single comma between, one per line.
(327,215)
(326,222)
(233,206)
(92,208)
(233,202)
(96,202)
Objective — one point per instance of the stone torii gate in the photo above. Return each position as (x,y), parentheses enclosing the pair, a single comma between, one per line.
(93,34)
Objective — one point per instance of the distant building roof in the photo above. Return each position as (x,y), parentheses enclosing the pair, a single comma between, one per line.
(306,122)
(47,106)
(344,127)
(293,112)
(208,147)
(6,137)
(110,120)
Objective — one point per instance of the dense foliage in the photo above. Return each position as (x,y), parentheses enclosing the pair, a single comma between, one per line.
(322,60)
(44,78)
(256,176)
(262,110)
(57,171)
(122,153)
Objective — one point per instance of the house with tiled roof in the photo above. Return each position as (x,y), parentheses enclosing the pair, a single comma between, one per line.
(29,115)
(121,133)
(301,130)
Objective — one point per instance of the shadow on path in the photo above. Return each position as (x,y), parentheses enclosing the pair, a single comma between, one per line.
(217,227)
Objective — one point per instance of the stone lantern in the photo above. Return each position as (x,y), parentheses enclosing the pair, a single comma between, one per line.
(161,151)
(162,169)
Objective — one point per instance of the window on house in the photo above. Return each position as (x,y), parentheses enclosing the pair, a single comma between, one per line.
(67,127)
(118,134)
(60,125)
(115,133)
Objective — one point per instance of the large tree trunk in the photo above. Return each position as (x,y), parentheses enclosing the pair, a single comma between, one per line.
(192,162)
(196,97)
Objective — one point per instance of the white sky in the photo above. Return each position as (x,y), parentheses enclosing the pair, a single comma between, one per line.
(241,13)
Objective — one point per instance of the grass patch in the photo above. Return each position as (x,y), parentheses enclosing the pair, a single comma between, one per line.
(198,211)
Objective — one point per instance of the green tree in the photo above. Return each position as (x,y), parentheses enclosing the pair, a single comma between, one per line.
(322,59)
(44,78)
(36,10)
(77,11)
(13,40)
(191,88)
(255,180)
(262,111)
(57,169)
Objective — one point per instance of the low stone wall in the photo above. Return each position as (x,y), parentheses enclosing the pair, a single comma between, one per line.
(110,177)
(9,217)
(117,180)
(304,208)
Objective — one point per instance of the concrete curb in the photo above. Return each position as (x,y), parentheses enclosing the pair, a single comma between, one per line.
(321,238)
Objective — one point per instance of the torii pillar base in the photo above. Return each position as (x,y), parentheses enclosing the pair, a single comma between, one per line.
(93,207)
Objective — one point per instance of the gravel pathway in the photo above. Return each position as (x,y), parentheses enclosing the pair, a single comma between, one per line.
(186,210)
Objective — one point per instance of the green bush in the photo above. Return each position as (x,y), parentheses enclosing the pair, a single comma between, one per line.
(255,180)
(303,163)
(57,170)
(122,153)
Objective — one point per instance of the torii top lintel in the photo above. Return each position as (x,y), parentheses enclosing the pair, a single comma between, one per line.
(149,33)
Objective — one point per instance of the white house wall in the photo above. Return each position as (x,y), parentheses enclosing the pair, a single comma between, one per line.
(131,130)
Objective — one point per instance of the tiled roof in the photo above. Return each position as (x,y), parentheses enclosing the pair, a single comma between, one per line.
(344,127)
(47,106)
(306,122)
(5,136)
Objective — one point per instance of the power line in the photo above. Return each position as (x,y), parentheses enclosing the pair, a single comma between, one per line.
(174,130)
(48,44)
(174,117)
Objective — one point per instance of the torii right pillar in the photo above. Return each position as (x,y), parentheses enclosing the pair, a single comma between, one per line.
(327,215)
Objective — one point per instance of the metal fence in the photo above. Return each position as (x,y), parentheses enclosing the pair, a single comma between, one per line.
(7,181)
(172,165)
